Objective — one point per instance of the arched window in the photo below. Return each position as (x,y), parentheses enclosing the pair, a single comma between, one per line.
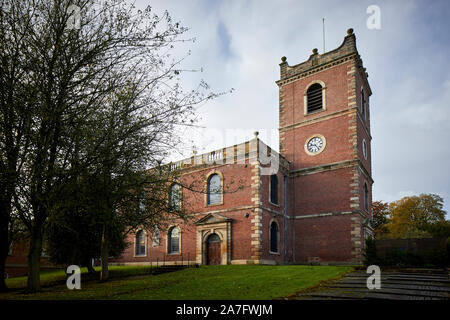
(140,243)
(274,189)
(156,237)
(174,240)
(175,196)
(274,237)
(214,189)
(366,197)
(363,104)
(314,97)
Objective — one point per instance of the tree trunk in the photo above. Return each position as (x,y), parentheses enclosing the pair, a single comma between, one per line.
(90,268)
(5,214)
(4,248)
(104,274)
(34,261)
(3,286)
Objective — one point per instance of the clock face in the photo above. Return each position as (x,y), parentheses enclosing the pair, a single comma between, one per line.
(315,144)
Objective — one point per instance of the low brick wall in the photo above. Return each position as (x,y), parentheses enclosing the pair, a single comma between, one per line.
(418,246)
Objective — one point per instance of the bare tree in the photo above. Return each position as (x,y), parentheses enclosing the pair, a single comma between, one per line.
(89,87)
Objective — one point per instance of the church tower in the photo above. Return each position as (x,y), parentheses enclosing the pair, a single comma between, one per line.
(325,135)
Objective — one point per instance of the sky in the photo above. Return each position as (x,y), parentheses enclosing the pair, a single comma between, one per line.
(238,45)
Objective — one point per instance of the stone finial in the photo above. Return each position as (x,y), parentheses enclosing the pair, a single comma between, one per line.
(256,133)
(315,51)
(350,32)
(283,59)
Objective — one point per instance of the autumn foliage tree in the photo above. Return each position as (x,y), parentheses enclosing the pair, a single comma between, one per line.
(381,216)
(413,217)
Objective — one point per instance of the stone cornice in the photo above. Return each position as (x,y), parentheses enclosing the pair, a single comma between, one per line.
(325,167)
(316,69)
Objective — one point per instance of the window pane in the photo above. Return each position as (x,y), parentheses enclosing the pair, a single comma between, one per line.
(274,189)
(214,189)
(273,237)
(175,196)
(174,240)
(140,243)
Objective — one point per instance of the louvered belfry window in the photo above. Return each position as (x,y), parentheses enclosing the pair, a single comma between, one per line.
(314,97)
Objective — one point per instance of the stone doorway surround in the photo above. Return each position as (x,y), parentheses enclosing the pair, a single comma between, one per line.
(209,224)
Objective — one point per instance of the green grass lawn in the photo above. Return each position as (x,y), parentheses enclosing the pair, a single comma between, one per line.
(206,282)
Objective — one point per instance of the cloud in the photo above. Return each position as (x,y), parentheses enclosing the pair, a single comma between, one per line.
(239,45)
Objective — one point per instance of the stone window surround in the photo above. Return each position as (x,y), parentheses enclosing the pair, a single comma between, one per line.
(219,173)
(145,246)
(324,99)
(169,230)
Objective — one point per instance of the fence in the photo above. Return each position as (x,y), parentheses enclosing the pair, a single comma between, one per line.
(182,261)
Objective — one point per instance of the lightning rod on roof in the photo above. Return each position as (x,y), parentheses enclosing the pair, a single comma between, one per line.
(323,29)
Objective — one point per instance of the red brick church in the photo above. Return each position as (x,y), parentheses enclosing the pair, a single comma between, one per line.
(310,203)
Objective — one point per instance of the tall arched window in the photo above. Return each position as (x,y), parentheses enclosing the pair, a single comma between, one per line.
(175,196)
(214,189)
(314,97)
(174,241)
(363,104)
(140,243)
(274,189)
(274,237)
(366,197)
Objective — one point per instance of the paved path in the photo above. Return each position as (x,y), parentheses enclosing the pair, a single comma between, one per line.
(407,284)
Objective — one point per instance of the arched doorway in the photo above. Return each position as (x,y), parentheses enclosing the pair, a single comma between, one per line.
(213,250)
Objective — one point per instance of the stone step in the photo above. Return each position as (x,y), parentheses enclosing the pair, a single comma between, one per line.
(386,296)
(402,275)
(396,281)
(394,286)
(397,278)
(404,292)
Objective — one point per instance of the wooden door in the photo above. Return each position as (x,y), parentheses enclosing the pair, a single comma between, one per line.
(214,252)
